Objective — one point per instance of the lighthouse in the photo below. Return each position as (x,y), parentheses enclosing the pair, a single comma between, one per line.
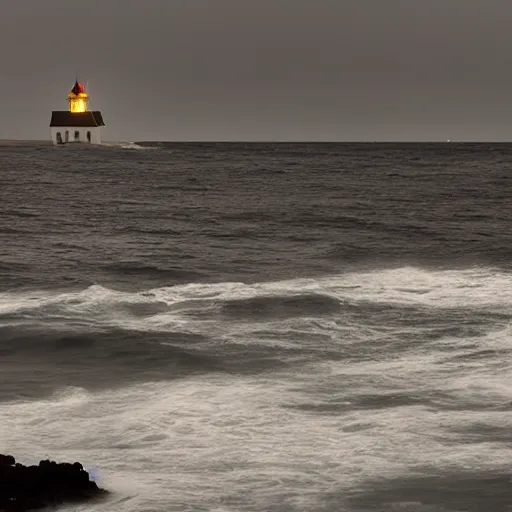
(78,124)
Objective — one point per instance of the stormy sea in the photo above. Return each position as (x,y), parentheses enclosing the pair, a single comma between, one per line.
(261,327)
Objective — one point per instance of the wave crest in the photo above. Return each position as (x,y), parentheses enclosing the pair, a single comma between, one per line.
(166,307)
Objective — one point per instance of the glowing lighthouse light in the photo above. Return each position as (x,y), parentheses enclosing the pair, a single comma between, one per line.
(78,98)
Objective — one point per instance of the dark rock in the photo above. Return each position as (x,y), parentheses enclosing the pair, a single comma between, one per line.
(24,488)
(6,460)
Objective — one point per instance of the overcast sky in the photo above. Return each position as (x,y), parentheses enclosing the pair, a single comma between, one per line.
(262,70)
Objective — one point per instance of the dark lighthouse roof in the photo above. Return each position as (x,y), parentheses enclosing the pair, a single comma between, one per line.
(78,88)
(79,119)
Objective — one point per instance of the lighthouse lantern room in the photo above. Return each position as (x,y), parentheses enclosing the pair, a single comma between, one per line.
(78,125)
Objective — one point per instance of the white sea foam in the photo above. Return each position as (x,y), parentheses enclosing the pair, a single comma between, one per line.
(135,146)
(256,443)
(211,439)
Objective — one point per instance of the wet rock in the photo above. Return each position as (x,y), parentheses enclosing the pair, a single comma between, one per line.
(24,488)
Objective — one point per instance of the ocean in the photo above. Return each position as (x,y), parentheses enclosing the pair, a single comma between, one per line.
(261,327)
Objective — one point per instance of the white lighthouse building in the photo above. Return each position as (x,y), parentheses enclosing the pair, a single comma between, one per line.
(78,125)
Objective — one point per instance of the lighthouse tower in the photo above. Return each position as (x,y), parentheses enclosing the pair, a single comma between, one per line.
(78,124)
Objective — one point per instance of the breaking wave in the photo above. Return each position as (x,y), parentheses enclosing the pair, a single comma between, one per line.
(159,308)
(128,145)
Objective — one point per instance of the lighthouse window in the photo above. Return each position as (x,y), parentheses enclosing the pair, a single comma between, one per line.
(88,136)
(77,135)
(66,136)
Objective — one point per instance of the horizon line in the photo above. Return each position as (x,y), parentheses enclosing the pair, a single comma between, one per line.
(305,141)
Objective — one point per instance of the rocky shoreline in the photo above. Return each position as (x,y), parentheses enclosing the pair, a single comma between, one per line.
(24,488)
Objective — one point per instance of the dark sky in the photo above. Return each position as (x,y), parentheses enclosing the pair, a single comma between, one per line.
(262,70)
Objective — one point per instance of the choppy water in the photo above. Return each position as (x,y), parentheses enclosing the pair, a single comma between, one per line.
(279,327)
